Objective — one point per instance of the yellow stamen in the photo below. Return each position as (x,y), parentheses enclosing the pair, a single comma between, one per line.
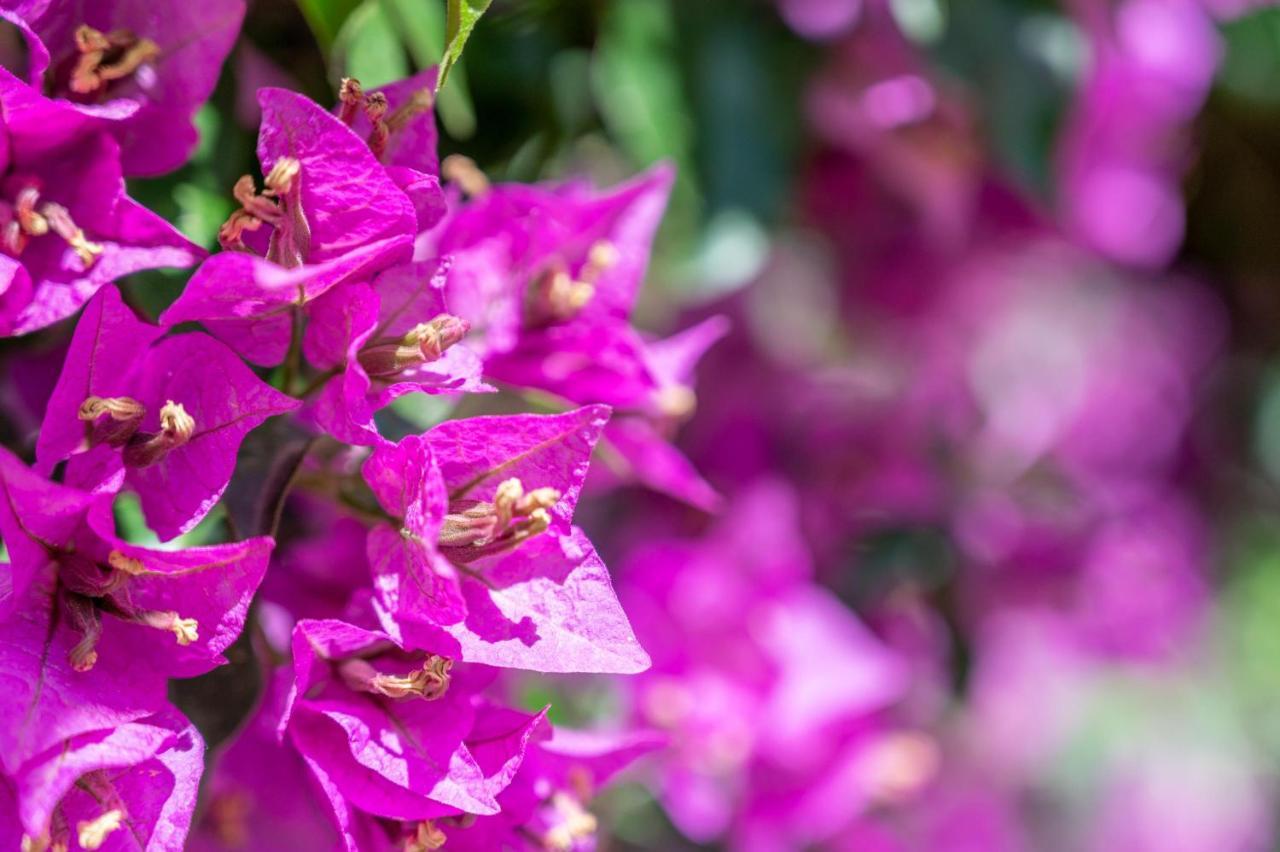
(187,630)
(93,833)
(126,564)
(463,171)
(118,407)
(427,838)
(176,423)
(577,823)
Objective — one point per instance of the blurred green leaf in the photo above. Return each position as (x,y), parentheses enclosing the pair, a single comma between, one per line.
(133,528)
(460,19)
(420,27)
(201,212)
(1251,67)
(369,48)
(423,410)
(326,17)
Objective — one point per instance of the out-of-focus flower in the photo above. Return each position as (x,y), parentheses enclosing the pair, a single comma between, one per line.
(1125,150)
(757,723)
(138,69)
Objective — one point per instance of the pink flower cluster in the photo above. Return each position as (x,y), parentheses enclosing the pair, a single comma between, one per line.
(422,567)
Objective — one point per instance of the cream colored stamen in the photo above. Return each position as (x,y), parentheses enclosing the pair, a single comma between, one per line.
(126,564)
(429,682)
(427,838)
(462,170)
(513,516)
(93,833)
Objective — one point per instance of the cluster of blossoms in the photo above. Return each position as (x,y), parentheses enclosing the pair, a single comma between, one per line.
(381,586)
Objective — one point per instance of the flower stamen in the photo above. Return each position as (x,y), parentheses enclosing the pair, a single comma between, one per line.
(111,420)
(105,57)
(462,170)
(513,516)
(184,630)
(93,833)
(83,615)
(423,343)
(427,837)
(429,682)
(176,429)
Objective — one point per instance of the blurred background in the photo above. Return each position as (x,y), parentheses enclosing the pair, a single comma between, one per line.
(997,422)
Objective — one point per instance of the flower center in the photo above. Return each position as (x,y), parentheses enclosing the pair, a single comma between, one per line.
(430,681)
(279,205)
(90,589)
(570,822)
(424,342)
(474,528)
(104,58)
(93,833)
(24,215)
(556,296)
(427,837)
(463,171)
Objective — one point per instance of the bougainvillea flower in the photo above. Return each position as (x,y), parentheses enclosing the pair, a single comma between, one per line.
(383,341)
(260,794)
(329,214)
(545,806)
(137,781)
(1126,145)
(385,730)
(68,227)
(99,607)
(639,439)
(168,416)
(750,711)
(398,123)
(569,261)
(142,69)
(820,19)
(483,545)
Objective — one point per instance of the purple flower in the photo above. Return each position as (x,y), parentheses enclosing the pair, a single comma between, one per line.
(168,417)
(66,225)
(482,546)
(99,609)
(756,721)
(545,805)
(127,786)
(140,70)
(398,123)
(641,438)
(385,730)
(329,214)
(1125,148)
(382,341)
(554,270)
(260,795)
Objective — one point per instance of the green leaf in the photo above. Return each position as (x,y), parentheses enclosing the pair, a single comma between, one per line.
(369,48)
(460,20)
(325,17)
(422,31)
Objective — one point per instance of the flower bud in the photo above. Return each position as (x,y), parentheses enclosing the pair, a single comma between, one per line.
(176,428)
(111,420)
